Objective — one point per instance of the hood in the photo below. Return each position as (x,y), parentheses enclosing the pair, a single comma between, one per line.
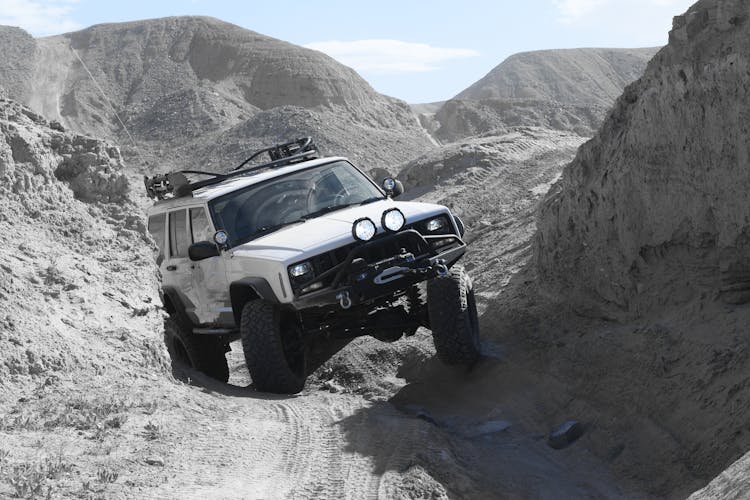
(329,231)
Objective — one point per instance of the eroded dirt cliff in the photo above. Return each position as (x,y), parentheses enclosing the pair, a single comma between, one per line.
(636,298)
(653,211)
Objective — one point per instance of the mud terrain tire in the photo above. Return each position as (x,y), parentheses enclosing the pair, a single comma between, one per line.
(453,317)
(201,353)
(274,352)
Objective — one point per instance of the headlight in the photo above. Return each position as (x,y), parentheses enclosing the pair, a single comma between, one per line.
(301,269)
(363,229)
(393,219)
(435,224)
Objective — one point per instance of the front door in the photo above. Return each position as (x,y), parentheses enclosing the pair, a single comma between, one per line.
(177,272)
(208,276)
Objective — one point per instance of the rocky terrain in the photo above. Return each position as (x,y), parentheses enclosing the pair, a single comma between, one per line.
(90,409)
(194,90)
(617,300)
(510,173)
(568,90)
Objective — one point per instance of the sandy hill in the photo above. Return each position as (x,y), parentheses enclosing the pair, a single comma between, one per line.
(565,89)
(177,81)
(636,300)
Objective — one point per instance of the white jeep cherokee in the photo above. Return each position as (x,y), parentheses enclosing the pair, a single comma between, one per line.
(302,251)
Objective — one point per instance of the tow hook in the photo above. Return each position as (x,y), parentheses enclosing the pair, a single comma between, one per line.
(441,269)
(344,301)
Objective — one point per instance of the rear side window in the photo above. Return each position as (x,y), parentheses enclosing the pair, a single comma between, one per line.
(199,226)
(178,237)
(156,225)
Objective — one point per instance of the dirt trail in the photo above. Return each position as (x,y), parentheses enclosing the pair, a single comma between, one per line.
(228,441)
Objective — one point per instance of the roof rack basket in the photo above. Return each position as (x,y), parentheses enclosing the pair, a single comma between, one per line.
(178,185)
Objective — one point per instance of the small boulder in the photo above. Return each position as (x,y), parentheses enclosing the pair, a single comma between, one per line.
(155,460)
(565,434)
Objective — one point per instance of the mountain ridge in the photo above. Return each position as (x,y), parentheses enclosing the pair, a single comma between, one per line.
(561,89)
(203,74)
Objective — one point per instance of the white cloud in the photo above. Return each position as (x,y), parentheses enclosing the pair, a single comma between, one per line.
(39,17)
(645,22)
(572,11)
(389,56)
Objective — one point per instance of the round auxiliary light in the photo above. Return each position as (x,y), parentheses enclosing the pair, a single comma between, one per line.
(363,229)
(393,219)
(221,237)
(389,184)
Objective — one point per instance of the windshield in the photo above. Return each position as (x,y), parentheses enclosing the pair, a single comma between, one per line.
(259,209)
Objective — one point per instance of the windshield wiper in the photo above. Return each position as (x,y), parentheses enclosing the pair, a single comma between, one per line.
(372,200)
(333,208)
(325,210)
(269,229)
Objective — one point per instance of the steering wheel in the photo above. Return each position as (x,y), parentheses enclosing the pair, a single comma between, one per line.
(282,207)
(314,203)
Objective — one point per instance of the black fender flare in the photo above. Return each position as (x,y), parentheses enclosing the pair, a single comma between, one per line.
(246,289)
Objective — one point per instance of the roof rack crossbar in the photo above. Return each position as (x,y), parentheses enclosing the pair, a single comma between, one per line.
(176,183)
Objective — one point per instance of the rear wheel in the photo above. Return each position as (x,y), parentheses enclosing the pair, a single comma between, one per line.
(275,352)
(188,350)
(453,317)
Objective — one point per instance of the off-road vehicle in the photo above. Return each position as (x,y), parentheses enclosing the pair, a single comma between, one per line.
(299,251)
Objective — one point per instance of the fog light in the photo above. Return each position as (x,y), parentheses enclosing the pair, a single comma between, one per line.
(363,229)
(314,286)
(393,219)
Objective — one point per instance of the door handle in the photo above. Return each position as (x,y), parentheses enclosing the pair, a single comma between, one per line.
(171,267)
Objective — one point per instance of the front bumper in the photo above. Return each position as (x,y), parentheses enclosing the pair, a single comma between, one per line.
(357,283)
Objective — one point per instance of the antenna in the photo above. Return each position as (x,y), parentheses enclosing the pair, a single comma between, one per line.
(111,107)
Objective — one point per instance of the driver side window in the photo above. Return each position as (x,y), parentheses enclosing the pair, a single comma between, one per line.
(199,226)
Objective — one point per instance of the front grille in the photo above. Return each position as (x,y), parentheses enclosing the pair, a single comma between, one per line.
(381,248)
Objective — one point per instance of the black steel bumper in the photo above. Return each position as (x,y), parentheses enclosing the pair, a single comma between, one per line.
(355,283)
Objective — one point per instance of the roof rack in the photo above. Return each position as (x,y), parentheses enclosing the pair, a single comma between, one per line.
(178,185)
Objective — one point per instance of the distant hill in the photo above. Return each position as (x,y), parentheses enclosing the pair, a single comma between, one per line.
(567,89)
(178,80)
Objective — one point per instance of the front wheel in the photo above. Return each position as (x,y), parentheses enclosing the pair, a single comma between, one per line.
(453,317)
(275,352)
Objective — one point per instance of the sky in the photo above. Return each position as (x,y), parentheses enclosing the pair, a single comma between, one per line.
(415,50)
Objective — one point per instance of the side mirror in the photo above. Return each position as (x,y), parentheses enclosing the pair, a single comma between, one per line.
(392,187)
(202,250)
